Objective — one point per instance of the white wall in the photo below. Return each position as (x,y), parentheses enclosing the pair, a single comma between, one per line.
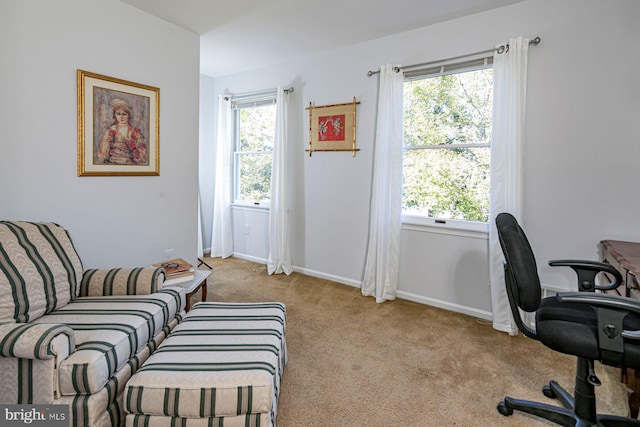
(581,153)
(207,157)
(114,221)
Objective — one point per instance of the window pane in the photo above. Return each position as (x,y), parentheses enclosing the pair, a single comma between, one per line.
(450,109)
(447,183)
(254,177)
(441,114)
(253,152)
(257,127)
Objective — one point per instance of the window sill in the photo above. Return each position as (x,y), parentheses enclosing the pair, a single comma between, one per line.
(251,206)
(478,230)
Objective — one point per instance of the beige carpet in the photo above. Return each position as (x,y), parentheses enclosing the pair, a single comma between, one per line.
(353,362)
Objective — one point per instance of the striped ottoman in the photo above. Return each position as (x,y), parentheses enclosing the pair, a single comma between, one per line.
(220,366)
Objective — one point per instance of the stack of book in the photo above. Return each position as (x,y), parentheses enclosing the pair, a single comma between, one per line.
(176,271)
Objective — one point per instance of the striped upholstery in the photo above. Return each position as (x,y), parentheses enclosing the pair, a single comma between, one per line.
(39,270)
(27,380)
(108,332)
(222,363)
(57,347)
(40,380)
(33,341)
(121,281)
(248,420)
(104,408)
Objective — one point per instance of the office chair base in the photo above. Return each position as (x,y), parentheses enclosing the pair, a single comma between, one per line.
(564,416)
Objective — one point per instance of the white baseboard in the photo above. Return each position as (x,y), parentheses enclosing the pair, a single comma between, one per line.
(457,308)
(481,314)
(250,258)
(325,276)
(305,271)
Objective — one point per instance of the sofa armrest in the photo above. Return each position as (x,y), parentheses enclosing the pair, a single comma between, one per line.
(121,281)
(36,340)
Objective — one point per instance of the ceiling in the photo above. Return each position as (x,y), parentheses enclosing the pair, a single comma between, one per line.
(239,35)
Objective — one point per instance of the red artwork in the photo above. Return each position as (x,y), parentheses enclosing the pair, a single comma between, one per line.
(331,128)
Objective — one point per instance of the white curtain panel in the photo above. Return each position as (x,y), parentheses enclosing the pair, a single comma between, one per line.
(222,232)
(200,248)
(383,253)
(279,260)
(507,146)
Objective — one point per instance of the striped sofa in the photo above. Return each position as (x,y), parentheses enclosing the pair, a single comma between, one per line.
(72,336)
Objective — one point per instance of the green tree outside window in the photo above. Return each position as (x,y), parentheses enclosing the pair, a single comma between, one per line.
(254,153)
(447,136)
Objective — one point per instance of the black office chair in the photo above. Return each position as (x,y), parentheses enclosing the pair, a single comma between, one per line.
(589,325)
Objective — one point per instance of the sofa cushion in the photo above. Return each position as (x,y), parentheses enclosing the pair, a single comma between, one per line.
(40,270)
(108,332)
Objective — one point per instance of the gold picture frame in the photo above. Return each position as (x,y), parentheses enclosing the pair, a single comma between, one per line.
(333,127)
(118,127)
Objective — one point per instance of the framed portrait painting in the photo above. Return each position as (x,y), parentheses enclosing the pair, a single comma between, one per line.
(333,127)
(118,127)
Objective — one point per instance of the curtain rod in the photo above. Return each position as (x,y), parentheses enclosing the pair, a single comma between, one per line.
(500,49)
(257,93)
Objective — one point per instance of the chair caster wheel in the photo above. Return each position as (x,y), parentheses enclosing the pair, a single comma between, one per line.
(548,391)
(504,410)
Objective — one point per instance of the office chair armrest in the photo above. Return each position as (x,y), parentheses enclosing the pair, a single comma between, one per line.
(632,335)
(614,302)
(587,271)
(611,311)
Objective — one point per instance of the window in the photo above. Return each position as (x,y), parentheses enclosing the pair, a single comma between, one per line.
(447,145)
(255,123)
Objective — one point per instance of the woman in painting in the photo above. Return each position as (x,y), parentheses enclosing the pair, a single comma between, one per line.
(122,143)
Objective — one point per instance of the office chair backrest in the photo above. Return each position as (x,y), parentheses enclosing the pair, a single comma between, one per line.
(521,271)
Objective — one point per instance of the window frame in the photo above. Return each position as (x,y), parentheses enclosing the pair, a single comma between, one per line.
(236,106)
(454,226)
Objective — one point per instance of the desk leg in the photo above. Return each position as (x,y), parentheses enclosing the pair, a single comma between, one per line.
(631,378)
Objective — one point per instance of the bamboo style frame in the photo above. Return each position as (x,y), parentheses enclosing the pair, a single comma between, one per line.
(333,127)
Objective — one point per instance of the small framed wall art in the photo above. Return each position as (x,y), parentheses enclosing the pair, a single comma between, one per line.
(118,127)
(333,127)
